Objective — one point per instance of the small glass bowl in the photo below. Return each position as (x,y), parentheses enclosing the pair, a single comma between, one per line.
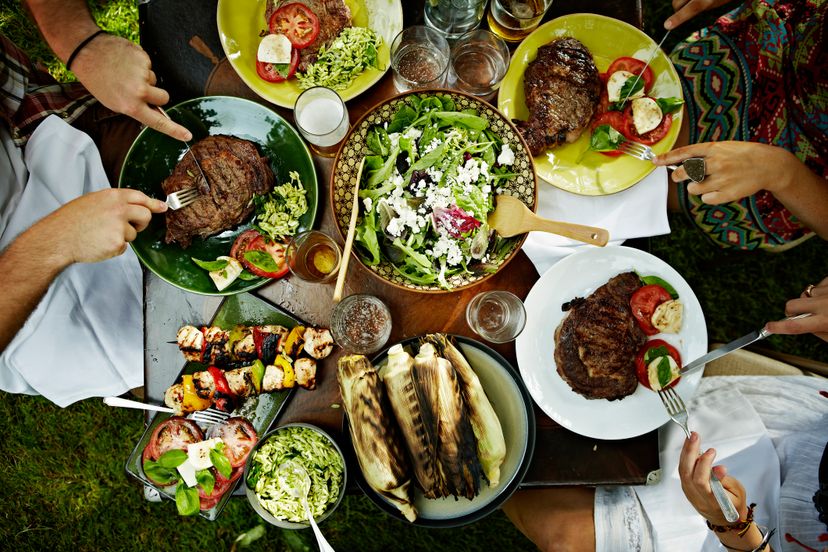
(361,324)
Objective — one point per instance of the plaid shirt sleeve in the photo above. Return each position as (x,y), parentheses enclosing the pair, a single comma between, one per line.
(27,95)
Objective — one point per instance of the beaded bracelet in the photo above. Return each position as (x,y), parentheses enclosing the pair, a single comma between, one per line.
(740,526)
(80,47)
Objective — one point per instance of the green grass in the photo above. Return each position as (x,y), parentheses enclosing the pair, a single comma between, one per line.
(63,483)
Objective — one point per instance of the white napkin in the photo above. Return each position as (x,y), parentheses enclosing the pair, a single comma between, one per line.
(727,422)
(636,212)
(85,338)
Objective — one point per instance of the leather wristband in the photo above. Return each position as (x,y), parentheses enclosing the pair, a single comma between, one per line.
(741,527)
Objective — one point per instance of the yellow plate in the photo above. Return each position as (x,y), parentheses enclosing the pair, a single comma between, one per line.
(241,21)
(572,167)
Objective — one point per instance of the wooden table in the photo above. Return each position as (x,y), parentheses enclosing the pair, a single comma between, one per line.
(190,62)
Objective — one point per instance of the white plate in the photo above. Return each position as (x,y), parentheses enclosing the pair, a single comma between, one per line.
(578,276)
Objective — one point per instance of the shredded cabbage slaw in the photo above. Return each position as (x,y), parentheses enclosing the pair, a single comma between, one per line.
(350,53)
(278,213)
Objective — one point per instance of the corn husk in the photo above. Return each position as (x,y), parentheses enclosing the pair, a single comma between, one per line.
(375,436)
(491,445)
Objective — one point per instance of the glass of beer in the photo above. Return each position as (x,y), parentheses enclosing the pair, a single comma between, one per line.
(322,119)
(513,20)
(313,256)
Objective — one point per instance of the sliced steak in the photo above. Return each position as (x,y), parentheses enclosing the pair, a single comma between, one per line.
(235,171)
(597,341)
(333,16)
(562,89)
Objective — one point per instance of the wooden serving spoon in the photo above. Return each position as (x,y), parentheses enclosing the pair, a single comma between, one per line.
(512,217)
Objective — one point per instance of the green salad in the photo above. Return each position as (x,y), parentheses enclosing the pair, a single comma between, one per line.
(352,52)
(309,449)
(428,187)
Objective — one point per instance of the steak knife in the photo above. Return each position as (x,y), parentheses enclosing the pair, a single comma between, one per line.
(743,341)
(187,145)
(647,64)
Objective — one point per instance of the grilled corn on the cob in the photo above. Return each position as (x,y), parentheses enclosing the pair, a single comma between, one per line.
(491,445)
(374,435)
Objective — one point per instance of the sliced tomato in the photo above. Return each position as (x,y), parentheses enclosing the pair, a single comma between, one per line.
(297,22)
(241,243)
(275,249)
(641,365)
(643,304)
(270,73)
(238,436)
(174,433)
(634,66)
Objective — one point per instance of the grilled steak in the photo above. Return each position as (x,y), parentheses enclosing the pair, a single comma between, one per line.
(235,171)
(596,342)
(333,16)
(562,89)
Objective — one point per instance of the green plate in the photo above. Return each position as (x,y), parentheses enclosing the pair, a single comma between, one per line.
(153,156)
(261,411)
(572,167)
(241,21)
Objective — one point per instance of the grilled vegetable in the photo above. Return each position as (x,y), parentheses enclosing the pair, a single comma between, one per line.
(375,437)
(456,446)
(191,401)
(491,445)
(293,343)
(398,377)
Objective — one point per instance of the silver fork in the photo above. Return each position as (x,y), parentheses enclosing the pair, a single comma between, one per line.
(182,198)
(211,416)
(677,411)
(640,151)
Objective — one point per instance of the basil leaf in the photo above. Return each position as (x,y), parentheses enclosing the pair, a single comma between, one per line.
(186,500)
(665,375)
(605,138)
(172,459)
(207,481)
(629,89)
(220,461)
(648,280)
(282,68)
(246,275)
(654,353)
(159,474)
(669,105)
(261,260)
(211,266)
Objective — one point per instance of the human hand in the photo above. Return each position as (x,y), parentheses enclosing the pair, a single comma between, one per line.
(119,74)
(688,9)
(735,169)
(98,225)
(815,301)
(694,472)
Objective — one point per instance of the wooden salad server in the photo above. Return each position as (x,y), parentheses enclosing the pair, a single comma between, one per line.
(512,217)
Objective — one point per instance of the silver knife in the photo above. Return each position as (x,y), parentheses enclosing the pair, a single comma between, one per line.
(649,60)
(743,341)
(187,144)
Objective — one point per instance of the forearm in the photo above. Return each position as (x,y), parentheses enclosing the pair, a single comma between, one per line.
(805,194)
(29,265)
(63,23)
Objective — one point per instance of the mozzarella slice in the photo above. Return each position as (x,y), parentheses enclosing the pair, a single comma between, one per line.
(668,315)
(187,472)
(616,82)
(646,115)
(652,371)
(274,48)
(198,454)
(227,275)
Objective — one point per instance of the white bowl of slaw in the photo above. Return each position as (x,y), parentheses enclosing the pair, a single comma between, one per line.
(310,462)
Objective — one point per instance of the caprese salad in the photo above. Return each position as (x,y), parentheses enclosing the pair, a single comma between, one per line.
(292,27)
(657,309)
(628,111)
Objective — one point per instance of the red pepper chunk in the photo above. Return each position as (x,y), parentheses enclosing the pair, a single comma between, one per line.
(220,381)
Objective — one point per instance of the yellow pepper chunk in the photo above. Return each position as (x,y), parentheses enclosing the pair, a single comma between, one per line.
(191,402)
(294,341)
(287,367)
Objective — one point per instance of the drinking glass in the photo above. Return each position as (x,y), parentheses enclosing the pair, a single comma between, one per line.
(496,316)
(361,324)
(452,18)
(512,20)
(479,60)
(313,256)
(322,119)
(419,58)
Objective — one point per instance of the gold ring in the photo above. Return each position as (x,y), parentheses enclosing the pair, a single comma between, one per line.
(808,290)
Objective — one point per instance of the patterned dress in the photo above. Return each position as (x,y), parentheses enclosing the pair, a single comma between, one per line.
(760,74)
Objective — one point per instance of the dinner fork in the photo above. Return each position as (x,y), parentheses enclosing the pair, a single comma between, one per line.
(677,411)
(210,416)
(640,151)
(182,198)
